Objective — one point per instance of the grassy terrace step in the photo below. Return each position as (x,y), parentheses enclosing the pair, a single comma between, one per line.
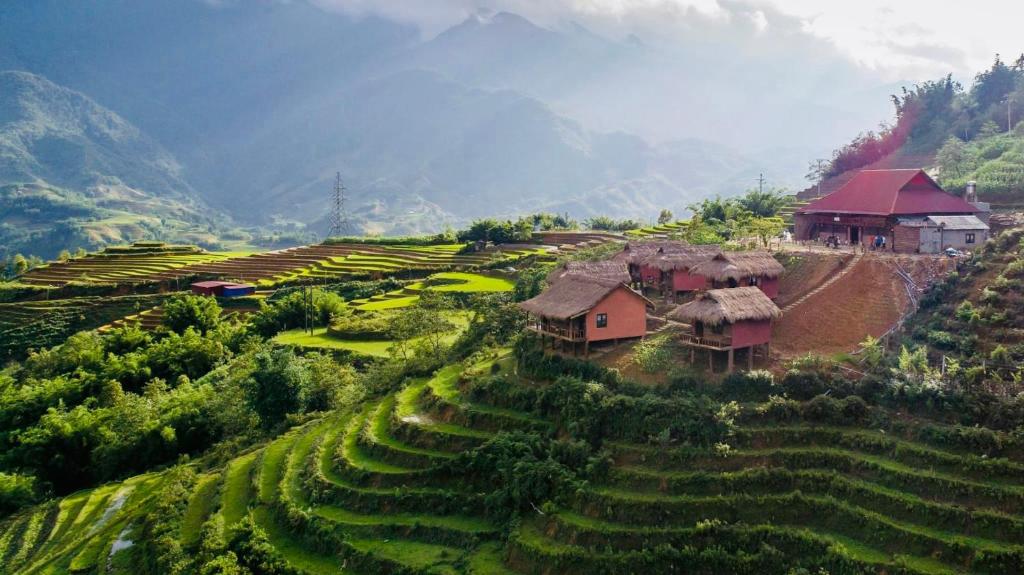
(292,551)
(565,526)
(443,389)
(421,428)
(329,487)
(237,492)
(449,529)
(200,506)
(272,464)
(730,550)
(976,524)
(798,510)
(352,462)
(877,469)
(878,443)
(413,556)
(378,440)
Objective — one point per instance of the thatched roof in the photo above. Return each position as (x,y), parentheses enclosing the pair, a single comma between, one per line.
(729,305)
(636,252)
(738,265)
(610,270)
(681,257)
(572,296)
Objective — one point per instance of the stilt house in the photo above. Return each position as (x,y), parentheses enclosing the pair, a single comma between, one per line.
(581,309)
(727,320)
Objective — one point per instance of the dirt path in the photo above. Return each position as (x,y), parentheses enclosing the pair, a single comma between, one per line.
(808,271)
(869,299)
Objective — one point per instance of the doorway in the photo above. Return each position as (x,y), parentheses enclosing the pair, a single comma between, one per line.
(854,236)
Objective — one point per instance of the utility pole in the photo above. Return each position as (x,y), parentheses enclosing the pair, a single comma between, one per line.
(1009,124)
(760,183)
(821,174)
(339,217)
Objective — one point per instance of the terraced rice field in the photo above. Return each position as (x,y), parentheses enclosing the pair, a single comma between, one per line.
(327,262)
(566,242)
(119,268)
(364,492)
(40,324)
(659,231)
(447,282)
(152,318)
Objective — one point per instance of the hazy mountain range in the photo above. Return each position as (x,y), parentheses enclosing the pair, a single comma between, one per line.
(250,108)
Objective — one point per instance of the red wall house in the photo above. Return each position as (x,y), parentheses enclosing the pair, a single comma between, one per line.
(748,333)
(683,280)
(770,286)
(625,314)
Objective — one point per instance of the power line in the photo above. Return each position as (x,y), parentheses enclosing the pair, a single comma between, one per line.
(339,215)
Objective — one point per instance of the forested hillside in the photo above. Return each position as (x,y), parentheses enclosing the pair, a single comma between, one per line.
(963,134)
(73,173)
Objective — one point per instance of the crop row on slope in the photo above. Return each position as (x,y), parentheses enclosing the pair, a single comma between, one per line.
(371,490)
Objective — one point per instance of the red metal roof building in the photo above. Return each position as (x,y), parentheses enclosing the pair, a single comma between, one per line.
(871,205)
(222,288)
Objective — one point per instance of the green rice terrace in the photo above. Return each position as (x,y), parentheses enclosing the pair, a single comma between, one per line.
(326,262)
(387,486)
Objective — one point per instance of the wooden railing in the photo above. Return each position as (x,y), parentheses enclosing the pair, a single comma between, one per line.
(707,341)
(569,334)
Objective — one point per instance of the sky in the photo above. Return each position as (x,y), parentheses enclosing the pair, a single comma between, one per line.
(897,39)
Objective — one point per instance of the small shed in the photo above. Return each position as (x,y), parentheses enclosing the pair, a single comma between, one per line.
(742,269)
(581,309)
(727,320)
(933,234)
(238,290)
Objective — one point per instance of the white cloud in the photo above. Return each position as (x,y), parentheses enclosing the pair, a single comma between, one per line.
(909,39)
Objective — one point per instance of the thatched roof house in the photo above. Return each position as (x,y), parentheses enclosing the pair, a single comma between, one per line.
(636,252)
(728,306)
(681,257)
(571,296)
(739,265)
(611,270)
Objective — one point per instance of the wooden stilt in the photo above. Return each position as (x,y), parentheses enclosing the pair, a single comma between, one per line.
(711,362)
(729,369)
(586,348)
(750,358)
(693,353)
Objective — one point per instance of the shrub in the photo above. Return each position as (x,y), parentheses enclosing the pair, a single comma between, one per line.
(185,311)
(748,386)
(654,354)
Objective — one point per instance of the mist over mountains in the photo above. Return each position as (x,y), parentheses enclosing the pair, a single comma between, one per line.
(257,104)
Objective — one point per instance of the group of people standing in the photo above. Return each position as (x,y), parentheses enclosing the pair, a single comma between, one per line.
(878,243)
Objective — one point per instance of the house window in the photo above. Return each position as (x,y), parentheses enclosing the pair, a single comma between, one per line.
(602,320)
(969,238)
(754,280)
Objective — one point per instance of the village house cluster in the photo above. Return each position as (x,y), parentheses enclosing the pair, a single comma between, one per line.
(723,300)
(727,298)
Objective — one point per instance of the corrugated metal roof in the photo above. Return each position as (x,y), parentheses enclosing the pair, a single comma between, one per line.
(958,222)
(890,192)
